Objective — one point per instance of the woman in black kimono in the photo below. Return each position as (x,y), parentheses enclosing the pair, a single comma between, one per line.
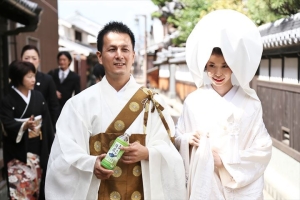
(43,82)
(28,134)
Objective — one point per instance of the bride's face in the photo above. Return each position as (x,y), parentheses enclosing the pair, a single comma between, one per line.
(219,72)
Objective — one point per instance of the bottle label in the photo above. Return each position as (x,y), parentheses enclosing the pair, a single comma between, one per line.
(114,154)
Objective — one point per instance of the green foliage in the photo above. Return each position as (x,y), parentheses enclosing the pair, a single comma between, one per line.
(264,11)
(187,18)
(260,11)
(194,10)
(283,7)
(156,14)
(160,3)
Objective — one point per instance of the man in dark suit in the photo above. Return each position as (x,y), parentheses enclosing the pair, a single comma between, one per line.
(45,84)
(67,82)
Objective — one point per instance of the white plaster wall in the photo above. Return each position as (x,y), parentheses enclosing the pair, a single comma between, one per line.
(276,68)
(164,71)
(264,69)
(84,39)
(290,70)
(282,176)
(183,73)
(70,34)
(158,31)
(61,31)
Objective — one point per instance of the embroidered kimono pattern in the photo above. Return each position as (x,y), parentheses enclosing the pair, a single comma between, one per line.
(24,179)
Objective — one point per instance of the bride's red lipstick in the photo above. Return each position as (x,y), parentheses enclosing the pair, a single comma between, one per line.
(218,80)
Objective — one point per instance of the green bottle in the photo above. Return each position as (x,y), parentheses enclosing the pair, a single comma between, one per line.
(114,153)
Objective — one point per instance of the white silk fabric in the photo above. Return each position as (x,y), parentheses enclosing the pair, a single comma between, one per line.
(70,167)
(239,39)
(207,112)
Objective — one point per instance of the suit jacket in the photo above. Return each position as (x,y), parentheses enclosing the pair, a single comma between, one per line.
(45,84)
(67,87)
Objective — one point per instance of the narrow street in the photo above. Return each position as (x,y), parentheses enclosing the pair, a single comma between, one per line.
(166,49)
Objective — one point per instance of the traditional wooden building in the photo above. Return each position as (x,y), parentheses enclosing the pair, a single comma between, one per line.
(174,76)
(277,83)
(278,87)
(26,22)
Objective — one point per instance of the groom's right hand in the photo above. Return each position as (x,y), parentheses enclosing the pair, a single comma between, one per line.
(99,171)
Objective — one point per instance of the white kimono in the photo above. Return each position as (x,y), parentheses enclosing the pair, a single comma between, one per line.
(233,126)
(70,167)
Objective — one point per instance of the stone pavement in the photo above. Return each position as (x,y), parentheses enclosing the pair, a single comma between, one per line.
(175,106)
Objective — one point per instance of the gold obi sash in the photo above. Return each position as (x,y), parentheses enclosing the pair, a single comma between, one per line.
(126,182)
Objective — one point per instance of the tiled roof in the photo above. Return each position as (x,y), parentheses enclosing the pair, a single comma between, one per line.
(283,32)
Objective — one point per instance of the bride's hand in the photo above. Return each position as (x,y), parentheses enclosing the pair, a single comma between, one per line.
(194,138)
(217,159)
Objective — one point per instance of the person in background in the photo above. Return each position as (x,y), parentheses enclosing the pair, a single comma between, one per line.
(43,82)
(98,72)
(220,133)
(28,134)
(150,168)
(67,82)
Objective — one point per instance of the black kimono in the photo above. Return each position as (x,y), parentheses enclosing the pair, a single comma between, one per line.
(12,107)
